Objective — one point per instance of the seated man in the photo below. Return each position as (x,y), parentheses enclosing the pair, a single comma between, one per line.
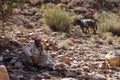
(36,54)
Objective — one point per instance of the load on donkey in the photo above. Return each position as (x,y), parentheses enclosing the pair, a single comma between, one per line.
(87,22)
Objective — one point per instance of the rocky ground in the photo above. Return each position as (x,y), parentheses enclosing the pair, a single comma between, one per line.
(77,57)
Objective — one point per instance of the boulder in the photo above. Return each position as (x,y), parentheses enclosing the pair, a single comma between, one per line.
(3,73)
(113,58)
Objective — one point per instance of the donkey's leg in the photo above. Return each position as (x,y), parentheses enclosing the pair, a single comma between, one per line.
(95,25)
(82,27)
(94,29)
(90,29)
(87,29)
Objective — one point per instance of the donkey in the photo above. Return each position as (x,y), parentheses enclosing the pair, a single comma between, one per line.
(87,25)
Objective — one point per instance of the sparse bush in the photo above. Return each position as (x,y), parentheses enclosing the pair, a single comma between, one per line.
(105,35)
(115,29)
(6,7)
(110,39)
(58,19)
(108,22)
(118,39)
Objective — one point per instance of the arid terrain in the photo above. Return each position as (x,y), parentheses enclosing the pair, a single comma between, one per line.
(76,55)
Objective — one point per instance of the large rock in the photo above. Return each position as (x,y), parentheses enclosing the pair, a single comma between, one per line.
(113,58)
(3,73)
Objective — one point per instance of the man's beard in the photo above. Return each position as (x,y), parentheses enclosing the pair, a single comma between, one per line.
(37,45)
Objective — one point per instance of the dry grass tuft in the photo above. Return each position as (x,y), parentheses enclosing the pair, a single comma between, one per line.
(58,19)
(65,44)
(107,20)
(115,29)
(117,39)
(105,35)
(110,39)
(18,28)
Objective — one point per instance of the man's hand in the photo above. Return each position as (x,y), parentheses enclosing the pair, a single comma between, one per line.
(33,60)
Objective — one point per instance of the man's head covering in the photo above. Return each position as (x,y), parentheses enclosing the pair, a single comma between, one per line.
(37,38)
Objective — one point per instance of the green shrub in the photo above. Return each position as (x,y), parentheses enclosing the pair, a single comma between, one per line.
(57,19)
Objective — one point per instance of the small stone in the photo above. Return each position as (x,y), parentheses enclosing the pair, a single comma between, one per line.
(18,64)
(99,77)
(70,74)
(39,76)
(59,64)
(1,57)
(19,77)
(31,24)
(13,60)
(7,50)
(68,79)
(34,2)
(46,75)
(38,15)
(13,76)
(86,68)
(102,65)
(74,65)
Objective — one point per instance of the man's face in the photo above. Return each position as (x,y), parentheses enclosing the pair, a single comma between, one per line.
(38,43)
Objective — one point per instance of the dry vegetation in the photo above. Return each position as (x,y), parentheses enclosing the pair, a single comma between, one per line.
(57,19)
(6,8)
(108,21)
(79,56)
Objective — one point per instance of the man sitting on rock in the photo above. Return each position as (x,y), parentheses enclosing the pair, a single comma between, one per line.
(36,54)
